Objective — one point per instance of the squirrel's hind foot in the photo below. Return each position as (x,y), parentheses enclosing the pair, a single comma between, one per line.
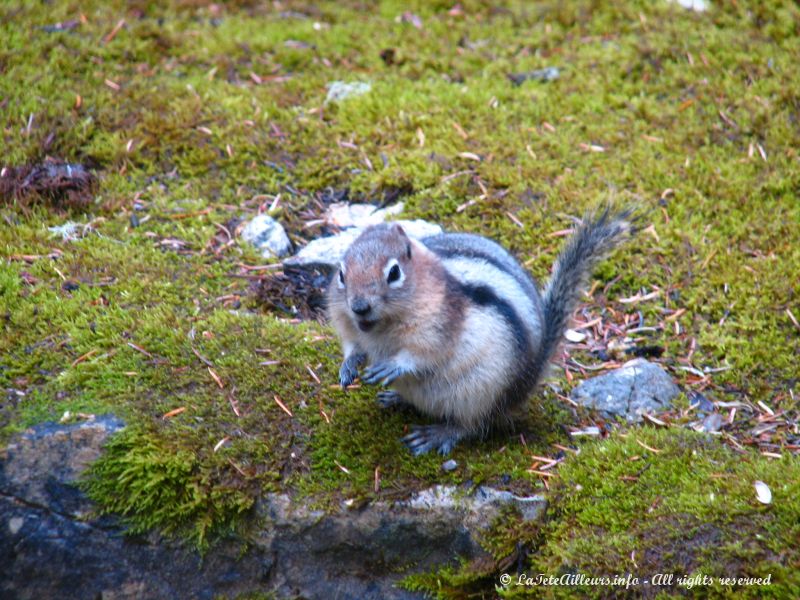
(424,438)
(390,399)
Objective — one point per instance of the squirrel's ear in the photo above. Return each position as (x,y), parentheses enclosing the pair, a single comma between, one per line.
(398,229)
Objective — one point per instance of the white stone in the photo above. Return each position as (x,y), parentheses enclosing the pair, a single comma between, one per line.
(763,493)
(342,214)
(574,336)
(695,5)
(341,90)
(449,465)
(266,234)
(68,231)
(15,524)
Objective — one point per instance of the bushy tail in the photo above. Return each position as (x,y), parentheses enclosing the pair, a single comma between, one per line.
(593,239)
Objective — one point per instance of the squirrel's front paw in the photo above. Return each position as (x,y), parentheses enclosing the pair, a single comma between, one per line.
(383,372)
(347,374)
(349,369)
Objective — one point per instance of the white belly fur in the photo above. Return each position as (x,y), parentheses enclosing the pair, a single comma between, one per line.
(467,389)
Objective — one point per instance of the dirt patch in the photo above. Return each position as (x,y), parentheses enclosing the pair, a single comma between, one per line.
(64,185)
(296,293)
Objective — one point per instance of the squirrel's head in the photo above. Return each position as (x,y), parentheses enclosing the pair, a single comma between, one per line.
(375,278)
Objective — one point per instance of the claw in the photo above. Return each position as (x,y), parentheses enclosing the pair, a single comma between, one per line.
(417,444)
(424,438)
(389,398)
(349,369)
(383,373)
(347,375)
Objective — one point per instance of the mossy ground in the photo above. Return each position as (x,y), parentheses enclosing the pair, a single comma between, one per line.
(195,114)
(686,507)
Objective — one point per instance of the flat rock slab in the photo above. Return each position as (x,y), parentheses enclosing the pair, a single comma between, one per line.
(363,553)
(479,506)
(638,387)
(51,545)
(41,466)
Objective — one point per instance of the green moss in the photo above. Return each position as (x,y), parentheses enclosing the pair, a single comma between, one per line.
(154,484)
(688,508)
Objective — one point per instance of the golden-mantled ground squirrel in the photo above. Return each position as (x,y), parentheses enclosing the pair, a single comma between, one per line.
(454,323)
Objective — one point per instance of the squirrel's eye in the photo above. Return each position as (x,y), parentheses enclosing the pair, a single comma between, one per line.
(394,274)
(341,277)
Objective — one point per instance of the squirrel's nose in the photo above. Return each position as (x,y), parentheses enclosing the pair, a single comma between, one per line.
(360,306)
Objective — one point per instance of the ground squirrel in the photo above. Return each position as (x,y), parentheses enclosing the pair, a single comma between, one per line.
(454,323)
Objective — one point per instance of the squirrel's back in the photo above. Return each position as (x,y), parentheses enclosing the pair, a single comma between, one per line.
(494,282)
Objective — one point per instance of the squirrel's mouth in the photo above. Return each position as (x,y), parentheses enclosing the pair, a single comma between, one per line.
(365,324)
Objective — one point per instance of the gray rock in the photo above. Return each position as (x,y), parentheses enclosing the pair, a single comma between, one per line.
(52,546)
(342,90)
(636,388)
(326,253)
(710,424)
(449,465)
(530,507)
(478,508)
(546,74)
(266,234)
(327,556)
(360,553)
(41,466)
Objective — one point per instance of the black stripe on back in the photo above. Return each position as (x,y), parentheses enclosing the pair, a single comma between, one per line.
(483,295)
(522,381)
(522,278)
